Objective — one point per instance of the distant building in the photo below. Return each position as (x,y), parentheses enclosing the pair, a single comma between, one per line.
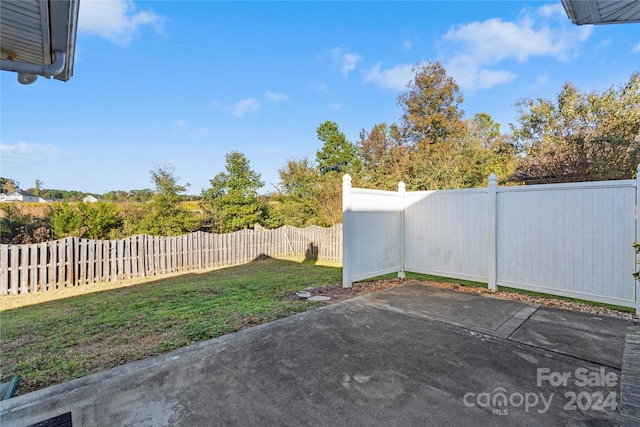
(89,199)
(21,196)
(3,197)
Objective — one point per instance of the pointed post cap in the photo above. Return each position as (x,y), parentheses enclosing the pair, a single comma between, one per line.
(402,187)
(346,178)
(493,179)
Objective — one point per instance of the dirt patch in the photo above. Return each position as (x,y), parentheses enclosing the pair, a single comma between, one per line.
(338,293)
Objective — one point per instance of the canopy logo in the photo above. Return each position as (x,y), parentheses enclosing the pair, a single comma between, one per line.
(578,398)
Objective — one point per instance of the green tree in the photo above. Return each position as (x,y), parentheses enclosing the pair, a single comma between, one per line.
(336,157)
(37,188)
(385,157)
(337,153)
(140,196)
(297,198)
(485,150)
(8,185)
(101,220)
(118,196)
(62,195)
(580,136)
(65,221)
(232,201)
(328,198)
(133,215)
(10,222)
(166,216)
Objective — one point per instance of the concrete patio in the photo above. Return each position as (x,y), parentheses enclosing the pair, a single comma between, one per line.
(411,355)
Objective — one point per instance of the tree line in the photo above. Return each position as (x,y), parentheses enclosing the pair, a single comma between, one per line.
(577,136)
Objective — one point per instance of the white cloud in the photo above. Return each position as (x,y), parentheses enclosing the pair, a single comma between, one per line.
(406,45)
(478,47)
(345,61)
(335,106)
(24,152)
(115,20)
(276,98)
(552,10)
(636,48)
(182,123)
(393,78)
(349,61)
(469,74)
(240,108)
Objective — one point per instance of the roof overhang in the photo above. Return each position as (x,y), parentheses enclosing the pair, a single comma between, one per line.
(32,31)
(596,12)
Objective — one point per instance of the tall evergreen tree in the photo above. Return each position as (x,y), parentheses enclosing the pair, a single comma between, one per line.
(337,153)
(166,217)
(232,200)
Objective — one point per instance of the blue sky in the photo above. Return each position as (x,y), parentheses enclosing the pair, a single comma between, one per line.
(184,83)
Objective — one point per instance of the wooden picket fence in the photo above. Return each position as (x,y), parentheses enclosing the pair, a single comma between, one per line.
(77,262)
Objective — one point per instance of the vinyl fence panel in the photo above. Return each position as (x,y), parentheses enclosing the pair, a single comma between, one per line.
(445,233)
(569,239)
(372,222)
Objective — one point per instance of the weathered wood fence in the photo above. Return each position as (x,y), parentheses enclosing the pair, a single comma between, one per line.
(75,262)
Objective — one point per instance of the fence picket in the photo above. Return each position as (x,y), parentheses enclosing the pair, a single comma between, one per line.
(82,261)
(4,269)
(33,268)
(15,269)
(24,269)
(126,257)
(104,272)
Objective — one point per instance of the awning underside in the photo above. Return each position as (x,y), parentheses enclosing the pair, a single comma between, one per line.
(583,12)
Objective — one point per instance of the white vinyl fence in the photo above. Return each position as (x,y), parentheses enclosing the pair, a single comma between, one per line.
(571,240)
(374,219)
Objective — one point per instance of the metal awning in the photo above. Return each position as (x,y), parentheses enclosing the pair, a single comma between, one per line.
(602,11)
(37,34)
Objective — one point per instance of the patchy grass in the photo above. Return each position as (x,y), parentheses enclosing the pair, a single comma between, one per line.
(56,341)
(470,284)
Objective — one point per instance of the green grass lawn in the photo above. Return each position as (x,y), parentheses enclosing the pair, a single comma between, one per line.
(56,341)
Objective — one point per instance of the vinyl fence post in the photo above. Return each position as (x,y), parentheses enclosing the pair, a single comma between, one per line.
(402,188)
(492,230)
(346,227)
(637,257)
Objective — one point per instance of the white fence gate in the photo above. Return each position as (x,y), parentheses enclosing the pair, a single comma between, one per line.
(571,240)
